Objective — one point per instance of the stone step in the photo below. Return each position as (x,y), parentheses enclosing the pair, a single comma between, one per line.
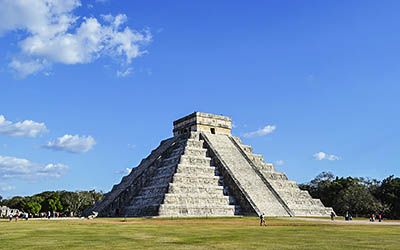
(199,152)
(268,167)
(194,170)
(177,149)
(299,202)
(149,190)
(185,189)
(194,135)
(283,184)
(204,210)
(274,175)
(319,202)
(177,152)
(194,143)
(182,199)
(294,192)
(148,210)
(192,160)
(160,180)
(165,170)
(145,200)
(247,148)
(195,180)
(171,160)
(256,157)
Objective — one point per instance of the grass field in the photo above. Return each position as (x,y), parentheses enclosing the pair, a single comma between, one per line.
(211,233)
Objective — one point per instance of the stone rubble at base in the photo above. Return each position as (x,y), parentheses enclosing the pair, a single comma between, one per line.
(205,171)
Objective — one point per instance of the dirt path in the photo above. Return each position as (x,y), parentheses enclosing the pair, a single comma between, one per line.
(352,222)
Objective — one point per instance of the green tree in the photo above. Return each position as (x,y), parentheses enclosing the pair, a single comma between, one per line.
(33,207)
(356,195)
(55,205)
(76,202)
(389,194)
(357,200)
(51,202)
(17,202)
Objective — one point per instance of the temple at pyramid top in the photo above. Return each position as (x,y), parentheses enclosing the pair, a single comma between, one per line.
(204,170)
(203,122)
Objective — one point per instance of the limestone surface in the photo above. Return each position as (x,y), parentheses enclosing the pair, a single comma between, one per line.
(205,171)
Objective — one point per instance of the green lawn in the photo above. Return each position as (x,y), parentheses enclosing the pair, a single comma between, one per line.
(216,233)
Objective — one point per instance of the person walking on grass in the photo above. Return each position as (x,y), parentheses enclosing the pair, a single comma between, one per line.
(333,215)
(262,220)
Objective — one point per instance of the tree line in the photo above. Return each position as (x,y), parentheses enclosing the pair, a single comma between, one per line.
(358,196)
(64,202)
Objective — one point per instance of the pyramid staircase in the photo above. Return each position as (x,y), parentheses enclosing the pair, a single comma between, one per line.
(184,184)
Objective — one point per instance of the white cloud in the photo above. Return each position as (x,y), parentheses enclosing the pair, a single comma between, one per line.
(268,129)
(27,67)
(280,162)
(12,167)
(6,187)
(52,33)
(125,73)
(125,171)
(324,156)
(27,128)
(72,143)
(132,146)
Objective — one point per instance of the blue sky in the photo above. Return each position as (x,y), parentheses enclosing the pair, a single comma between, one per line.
(89,88)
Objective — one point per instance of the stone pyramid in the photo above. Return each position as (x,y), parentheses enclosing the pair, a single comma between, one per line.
(205,171)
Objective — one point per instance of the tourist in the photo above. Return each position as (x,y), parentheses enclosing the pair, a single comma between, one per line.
(346,217)
(10,217)
(372,217)
(262,220)
(333,215)
(48,215)
(380,217)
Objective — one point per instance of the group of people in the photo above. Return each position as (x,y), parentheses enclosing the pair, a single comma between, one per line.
(26,216)
(17,216)
(348,216)
(375,216)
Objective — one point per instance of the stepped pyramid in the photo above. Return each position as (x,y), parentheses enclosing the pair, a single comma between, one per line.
(205,171)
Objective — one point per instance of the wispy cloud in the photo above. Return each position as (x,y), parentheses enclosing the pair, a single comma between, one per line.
(53,33)
(72,143)
(12,167)
(280,162)
(124,73)
(268,129)
(124,171)
(6,187)
(132,146)
(27,128)
(325,156)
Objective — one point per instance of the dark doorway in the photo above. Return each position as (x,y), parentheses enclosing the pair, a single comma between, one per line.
(212,131)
